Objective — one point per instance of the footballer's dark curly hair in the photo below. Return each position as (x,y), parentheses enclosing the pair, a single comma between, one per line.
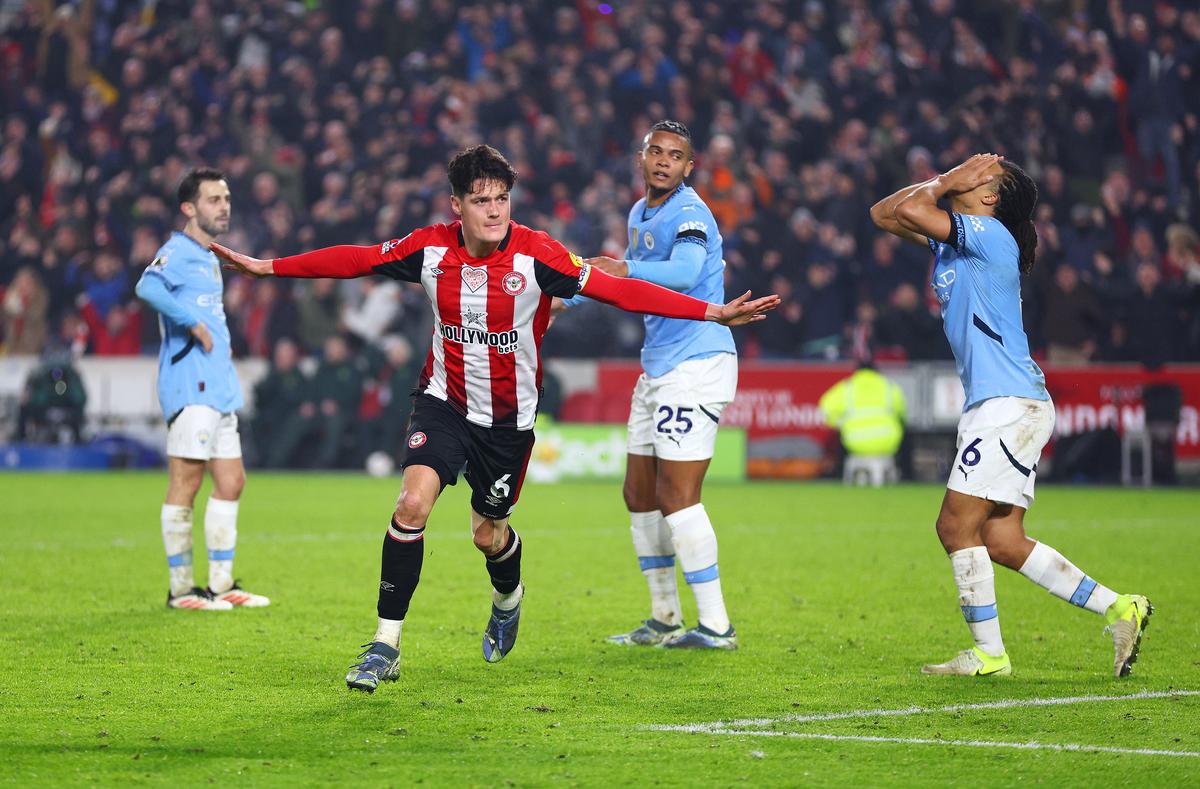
(479,162)
(672,127)
(189,187)
(1018,197)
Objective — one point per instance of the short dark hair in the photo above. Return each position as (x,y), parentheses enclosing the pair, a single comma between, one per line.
(189,187)
(479,163)
(673,127)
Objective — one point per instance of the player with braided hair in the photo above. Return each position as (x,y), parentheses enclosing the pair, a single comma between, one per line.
(981,246)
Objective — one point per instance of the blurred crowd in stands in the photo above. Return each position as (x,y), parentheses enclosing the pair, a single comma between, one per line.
(334,121)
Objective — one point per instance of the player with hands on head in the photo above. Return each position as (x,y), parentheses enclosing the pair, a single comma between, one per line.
(982,244)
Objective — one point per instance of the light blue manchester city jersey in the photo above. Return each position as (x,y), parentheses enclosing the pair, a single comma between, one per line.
(978,284)
(653,234)
(184,284)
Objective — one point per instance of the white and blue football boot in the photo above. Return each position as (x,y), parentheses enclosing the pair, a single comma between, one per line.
(501,633)
(700,637)
(651,633)
(379,662)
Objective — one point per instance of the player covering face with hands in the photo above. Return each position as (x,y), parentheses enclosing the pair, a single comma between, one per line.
(490,282)
(982,242)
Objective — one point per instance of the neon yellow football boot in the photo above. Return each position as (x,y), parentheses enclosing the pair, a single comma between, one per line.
(1127,619)
(973,662)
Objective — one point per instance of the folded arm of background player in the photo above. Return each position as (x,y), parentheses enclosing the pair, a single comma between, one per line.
(679,272)
(559,274)
(156,288)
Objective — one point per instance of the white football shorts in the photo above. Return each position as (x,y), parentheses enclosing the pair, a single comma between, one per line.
(203,433)
(675,416)
(999,444)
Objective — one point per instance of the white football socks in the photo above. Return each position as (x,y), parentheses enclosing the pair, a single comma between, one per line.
(509,601)
(976,582)
(388,632)
(696,546)
(656,557)
(1050,570)
(177,540)
(220,537)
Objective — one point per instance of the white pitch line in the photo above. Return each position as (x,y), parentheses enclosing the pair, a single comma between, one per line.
(701,728)
(1023,746)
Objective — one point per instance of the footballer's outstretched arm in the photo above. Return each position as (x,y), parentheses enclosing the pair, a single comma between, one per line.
(395,259)
(639,296)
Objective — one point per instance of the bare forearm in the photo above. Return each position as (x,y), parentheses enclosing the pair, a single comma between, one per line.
(925,194)
(885,209)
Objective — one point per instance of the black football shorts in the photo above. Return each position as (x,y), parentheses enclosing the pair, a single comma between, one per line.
(495,458)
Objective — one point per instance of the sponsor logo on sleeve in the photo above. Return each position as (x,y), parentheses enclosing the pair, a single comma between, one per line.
(576,260)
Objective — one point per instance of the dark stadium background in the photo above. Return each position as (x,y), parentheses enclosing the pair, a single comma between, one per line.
(334,121)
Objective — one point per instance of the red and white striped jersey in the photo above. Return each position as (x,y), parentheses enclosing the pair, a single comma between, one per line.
(489,315)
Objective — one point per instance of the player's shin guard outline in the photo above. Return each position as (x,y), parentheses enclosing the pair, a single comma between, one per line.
(696,546)
(1050,570)
(176,522)
(400,569)
(976,582)
(220,538)
(656,557)
(504,566)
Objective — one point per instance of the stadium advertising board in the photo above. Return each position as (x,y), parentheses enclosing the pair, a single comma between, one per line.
(578,452)
(777,405)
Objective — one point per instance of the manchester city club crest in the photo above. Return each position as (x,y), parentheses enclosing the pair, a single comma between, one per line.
(648,239)
(513,283)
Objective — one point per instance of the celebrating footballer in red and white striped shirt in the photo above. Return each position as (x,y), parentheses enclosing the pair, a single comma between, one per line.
(491,282)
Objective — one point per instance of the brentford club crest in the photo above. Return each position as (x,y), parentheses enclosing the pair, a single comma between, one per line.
(513,283)
(416,440)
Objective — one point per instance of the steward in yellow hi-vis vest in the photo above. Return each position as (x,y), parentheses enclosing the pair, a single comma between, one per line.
(869,410)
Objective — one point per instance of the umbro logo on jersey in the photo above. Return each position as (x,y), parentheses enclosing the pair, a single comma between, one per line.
(475,278)
(436,272)
(977,224)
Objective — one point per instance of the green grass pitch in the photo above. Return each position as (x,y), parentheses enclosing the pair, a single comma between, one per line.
(838,597)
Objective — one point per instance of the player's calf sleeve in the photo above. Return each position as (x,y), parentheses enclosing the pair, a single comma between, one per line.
(696,546)
(220,537)
(177,541)
(504,567)
(400,569)
(1050,570)
(656,557)
(976,582)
